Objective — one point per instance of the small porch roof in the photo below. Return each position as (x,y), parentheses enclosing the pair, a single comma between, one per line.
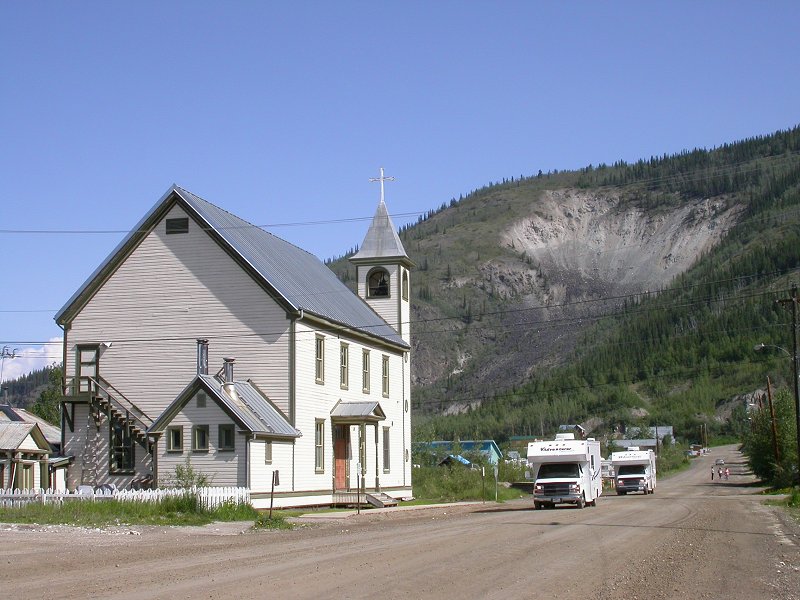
(357,412)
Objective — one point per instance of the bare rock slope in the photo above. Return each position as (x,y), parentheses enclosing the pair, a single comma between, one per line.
(572,246)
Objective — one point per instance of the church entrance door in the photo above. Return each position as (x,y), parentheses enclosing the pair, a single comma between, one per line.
(341,444)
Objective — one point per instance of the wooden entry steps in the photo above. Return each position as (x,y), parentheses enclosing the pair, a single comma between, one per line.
(376,499)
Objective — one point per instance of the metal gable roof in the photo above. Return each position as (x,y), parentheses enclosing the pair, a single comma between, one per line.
(13,433)
(299,278)
(363,410)
(297,275)
(51,432)
(253,411)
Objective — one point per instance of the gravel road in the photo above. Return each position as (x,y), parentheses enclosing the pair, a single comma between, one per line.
(693,539)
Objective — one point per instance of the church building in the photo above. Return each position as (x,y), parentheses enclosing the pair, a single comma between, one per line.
(204,341)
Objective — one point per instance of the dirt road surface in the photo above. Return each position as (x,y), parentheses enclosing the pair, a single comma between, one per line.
(693,539)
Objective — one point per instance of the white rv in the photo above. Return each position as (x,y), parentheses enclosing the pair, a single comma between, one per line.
(565,471)
(635,471)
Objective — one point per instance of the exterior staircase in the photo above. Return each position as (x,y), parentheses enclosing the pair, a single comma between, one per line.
(106,401)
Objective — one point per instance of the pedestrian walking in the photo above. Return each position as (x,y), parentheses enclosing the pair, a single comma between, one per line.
(719,473)
(727,473)
(712,473)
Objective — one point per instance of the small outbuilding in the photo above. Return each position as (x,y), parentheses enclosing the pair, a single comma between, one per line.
(487,448)
(24,452)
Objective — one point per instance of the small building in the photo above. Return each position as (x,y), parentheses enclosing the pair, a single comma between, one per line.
(56,464)
(487,448)
(24,453)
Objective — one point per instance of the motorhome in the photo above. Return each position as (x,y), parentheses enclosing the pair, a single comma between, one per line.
(565,471)
(635,471)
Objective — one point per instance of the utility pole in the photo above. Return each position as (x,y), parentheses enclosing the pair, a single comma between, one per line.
(793,303)
(4,354)
(774,427)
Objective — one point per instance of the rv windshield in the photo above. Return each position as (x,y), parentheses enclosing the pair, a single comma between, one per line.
(630,470)
(554,470)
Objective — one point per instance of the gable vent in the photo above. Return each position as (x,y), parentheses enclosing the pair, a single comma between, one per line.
(178,225)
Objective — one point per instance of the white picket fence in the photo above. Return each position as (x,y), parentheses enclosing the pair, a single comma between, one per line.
(208,497)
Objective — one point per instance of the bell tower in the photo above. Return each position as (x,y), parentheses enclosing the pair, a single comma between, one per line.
(383,270)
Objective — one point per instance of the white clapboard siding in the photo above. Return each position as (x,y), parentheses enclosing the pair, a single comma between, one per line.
(261,471)
(171,290)
(222,467)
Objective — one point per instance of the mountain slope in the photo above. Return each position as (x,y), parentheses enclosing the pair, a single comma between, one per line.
(517,278)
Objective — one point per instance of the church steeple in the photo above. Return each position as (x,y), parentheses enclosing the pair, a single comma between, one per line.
(381,240)
(383,267)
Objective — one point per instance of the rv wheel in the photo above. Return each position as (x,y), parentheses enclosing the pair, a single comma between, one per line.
(582,501)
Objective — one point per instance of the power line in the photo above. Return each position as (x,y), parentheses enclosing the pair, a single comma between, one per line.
(232,227)
(754,164)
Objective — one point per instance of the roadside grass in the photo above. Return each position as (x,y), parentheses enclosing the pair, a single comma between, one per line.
(180,511)
(277,521)
(435,485)
(790,503)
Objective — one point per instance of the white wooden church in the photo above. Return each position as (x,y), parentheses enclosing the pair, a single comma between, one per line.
(205,340)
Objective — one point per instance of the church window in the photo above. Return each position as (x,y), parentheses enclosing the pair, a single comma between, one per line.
(378,283)
(386,450)
(385,376)
(405,285)
(268,452)
(365,372)
(319,360)
(344,359)
(319,446)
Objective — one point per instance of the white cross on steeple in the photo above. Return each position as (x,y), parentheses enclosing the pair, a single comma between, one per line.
(381,179)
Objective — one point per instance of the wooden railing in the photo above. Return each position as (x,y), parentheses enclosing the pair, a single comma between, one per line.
(99,387)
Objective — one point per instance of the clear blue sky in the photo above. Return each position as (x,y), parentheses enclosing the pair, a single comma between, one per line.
(280,112)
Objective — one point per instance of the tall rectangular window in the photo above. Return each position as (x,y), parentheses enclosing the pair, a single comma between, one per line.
(365,371)
(386,454)
(268,452)
(344,360)
(319,360)
(385,376)
(319,446)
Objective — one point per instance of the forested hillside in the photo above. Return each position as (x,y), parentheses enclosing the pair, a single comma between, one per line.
(24,391)
(623,294)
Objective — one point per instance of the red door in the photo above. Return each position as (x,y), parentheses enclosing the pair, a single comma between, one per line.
(341,443)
